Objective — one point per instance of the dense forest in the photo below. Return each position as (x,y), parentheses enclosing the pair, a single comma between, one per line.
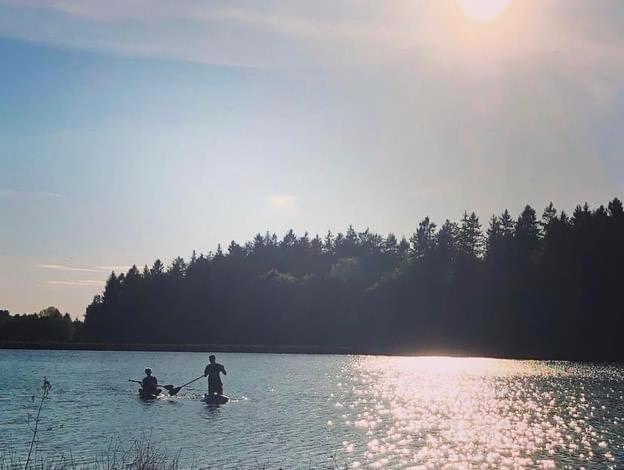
(47,325)
(531,286)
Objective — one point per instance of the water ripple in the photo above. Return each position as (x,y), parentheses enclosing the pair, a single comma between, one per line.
(291,411)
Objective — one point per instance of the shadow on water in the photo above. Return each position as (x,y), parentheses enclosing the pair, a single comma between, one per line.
(211,411)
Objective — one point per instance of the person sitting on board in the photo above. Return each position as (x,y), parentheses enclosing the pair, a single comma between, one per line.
(213,371)
(150,383)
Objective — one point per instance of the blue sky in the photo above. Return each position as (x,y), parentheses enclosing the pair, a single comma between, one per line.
(137,130)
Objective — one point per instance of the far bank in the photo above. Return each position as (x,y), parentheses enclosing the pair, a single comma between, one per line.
(287,349)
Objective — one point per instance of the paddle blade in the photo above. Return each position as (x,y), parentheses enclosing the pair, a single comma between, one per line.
(168,387)
(174,391)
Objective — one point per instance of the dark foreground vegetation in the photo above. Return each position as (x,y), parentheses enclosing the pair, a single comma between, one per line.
(532,286)
(141,455)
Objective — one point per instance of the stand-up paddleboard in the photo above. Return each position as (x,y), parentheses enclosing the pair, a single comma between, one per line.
(215,399)
(143,395)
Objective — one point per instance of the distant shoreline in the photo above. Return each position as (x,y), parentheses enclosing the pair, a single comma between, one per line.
(234,348)
(254,348)
(277,349)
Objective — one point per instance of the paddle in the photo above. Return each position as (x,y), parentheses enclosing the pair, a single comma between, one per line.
(174,390)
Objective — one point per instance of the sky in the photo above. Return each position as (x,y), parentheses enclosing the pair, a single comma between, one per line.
(132,130)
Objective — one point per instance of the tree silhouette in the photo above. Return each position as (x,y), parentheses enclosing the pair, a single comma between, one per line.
(547,287)
(48,325)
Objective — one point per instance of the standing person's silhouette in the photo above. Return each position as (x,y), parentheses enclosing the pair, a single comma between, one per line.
(213,371)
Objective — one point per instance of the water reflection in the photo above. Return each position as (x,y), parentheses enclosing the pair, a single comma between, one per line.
(211,411)
(437,412)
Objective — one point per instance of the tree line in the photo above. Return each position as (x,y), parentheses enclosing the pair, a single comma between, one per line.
(531,286)
(47,325)
(523,286)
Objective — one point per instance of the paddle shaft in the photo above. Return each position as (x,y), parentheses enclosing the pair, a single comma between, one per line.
(194,380)
(141,383)
(170,388)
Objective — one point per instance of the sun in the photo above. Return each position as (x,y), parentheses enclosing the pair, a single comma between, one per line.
(483,10)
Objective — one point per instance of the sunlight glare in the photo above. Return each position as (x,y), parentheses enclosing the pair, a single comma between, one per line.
(453,412)
(483,10)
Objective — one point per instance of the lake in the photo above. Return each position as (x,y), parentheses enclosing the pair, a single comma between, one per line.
(317,411)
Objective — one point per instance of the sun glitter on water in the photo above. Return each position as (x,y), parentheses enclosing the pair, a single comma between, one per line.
(483,10)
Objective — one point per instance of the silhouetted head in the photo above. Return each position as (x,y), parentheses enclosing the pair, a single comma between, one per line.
(212,358)
(148,371)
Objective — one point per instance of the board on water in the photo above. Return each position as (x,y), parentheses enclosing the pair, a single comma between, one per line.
(215,399)
(143,395)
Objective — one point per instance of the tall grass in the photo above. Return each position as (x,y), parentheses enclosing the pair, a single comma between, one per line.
(141,455)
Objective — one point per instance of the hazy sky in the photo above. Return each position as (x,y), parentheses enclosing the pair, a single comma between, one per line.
(139,129)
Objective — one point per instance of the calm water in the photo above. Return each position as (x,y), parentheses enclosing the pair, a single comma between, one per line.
(299,410)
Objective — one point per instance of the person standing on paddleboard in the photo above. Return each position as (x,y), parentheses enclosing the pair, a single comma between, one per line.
(213,371)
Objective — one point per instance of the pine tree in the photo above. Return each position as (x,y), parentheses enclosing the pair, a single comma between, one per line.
(494,236)
(549,216)
(507,224)
(423,241)
(470,241)
(616,209)
(157,268)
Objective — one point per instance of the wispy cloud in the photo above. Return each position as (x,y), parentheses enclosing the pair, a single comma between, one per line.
(274,17)
(233,32)
(13,193)
(62,267)
(282,201)
(282,23)
(77,283)
(90,269)
(328,32)
(118,269)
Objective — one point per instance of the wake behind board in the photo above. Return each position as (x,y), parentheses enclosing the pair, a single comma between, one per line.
(215,399)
